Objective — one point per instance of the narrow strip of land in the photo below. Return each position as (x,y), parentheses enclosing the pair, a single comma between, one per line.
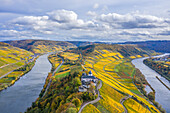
(162,82)
(53,75)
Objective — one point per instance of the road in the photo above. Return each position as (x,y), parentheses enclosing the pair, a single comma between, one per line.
(14,69)
(122,101)
(53,75)
(93,101)
(10,72)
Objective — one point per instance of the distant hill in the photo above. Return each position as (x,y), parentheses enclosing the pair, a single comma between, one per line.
(41,46)
(4,44)
(80,43)
(126,50)
(158,46)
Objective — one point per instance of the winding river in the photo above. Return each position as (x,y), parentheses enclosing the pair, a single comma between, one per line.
(20,96)
(162,93)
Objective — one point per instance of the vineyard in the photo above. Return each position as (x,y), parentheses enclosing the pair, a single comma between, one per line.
(13,58)
(116,72)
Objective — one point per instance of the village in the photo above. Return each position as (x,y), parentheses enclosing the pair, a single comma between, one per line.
(165,58)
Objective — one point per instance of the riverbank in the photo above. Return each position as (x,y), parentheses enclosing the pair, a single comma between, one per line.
(20,96)
(159,66)
(161,95)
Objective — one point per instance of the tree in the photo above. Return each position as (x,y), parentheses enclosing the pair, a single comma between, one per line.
(76,102)
(151,96)
(77,82)
(71,110)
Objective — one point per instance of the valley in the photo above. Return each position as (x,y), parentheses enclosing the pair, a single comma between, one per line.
(122,85)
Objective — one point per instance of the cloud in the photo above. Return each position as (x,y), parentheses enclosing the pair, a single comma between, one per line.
(133,20)
(134,33)
(31,20)
(58,19)
(63,16)
(166,32)
(96,5)
(66,24)
(91,13)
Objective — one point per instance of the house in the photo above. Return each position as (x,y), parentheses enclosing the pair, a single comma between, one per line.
(87,81)
(89,78)
(82,89)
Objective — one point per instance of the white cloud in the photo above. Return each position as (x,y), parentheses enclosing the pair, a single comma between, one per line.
(96,5)
(109,27)
(58,19)
(63,16)
(133,20)
(91,13)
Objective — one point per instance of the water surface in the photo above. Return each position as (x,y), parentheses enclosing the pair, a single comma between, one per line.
(20,96)
(162,93)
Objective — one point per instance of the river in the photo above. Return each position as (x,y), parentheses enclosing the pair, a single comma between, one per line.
(20,96)
(162,95)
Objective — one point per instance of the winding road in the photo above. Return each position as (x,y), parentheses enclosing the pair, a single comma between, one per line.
(122,101)
(93,101)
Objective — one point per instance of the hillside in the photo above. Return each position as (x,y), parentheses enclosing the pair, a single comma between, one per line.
(12,58)
(41,46)
(125,50)
(80,43)
(158,46)
(122,84)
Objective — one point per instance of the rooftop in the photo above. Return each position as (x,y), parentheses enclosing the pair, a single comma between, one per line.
(92,77)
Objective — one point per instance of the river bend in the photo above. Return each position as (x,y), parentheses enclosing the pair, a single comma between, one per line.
(162,93)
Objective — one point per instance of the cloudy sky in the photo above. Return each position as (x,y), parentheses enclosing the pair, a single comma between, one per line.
(82,20)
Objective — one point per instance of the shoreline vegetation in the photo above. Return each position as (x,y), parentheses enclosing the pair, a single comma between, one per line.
(159,66)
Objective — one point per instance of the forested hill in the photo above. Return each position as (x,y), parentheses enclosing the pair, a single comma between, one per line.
(125,50)
(41,46)
(158,46)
